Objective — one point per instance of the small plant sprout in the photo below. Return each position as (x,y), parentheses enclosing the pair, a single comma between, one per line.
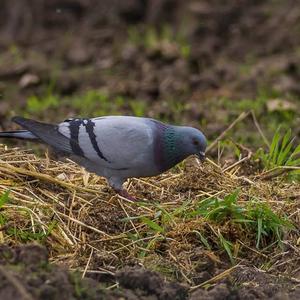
(281,153)
(3,200)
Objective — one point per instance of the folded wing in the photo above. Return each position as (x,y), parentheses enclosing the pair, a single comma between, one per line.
(112,142)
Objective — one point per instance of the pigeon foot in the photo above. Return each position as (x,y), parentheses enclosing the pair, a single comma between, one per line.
(126,195)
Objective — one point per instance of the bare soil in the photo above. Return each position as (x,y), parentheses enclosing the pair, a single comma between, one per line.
(25,273)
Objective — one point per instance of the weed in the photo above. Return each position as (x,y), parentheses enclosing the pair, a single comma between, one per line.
(280,152)
(266,222)
(255,217)
(3,200)
(203,239)
(152,225)
(28,235)
(219,210)
(227,246)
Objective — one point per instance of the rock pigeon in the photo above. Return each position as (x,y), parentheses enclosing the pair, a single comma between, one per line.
(116,147)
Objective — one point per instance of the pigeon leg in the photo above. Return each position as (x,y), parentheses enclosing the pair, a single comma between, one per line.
(117,184)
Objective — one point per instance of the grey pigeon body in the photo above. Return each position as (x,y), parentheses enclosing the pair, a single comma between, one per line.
(117,147)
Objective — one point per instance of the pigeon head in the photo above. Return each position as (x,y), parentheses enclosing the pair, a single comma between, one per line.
(191,141)
(175,143)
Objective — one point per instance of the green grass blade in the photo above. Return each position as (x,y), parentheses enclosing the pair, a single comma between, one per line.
(284,154)
(294,161)
(259,231)
(243,221)
(181,208)
(203,239)
(286,139)
(227,246)
(4,198)
(296,151)
(232,198)
(51,227)
(274,145)
(151,224)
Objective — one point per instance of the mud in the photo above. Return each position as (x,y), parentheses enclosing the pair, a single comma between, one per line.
(26,273)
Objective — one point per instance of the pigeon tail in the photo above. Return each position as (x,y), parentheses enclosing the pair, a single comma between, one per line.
(47,133)
(18,134)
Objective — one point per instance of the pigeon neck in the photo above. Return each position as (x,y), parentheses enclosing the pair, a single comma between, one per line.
(173,152)
(167,150)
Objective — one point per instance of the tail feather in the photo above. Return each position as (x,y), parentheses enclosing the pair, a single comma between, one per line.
(48,133)
(18,134)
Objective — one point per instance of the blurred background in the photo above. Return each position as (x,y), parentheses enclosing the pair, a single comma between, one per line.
(200,63)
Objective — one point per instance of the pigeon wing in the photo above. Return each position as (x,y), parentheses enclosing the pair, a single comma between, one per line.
(126,140)
(115,142)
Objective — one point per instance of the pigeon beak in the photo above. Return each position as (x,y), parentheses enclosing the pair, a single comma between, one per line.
(201,156)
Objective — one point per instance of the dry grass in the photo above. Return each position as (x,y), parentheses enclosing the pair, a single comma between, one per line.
(86,226)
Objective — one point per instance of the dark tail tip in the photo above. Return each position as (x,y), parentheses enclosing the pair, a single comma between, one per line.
(17,119)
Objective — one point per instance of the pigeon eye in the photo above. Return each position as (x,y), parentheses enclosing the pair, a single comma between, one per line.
(195,142)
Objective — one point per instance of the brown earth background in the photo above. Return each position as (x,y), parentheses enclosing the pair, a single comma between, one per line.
(200,63)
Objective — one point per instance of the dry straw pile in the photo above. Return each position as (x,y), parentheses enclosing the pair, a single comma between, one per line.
(86,226)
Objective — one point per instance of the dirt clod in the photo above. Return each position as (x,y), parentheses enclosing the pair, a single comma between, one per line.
(150,283)
(25,273)
(219,292)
